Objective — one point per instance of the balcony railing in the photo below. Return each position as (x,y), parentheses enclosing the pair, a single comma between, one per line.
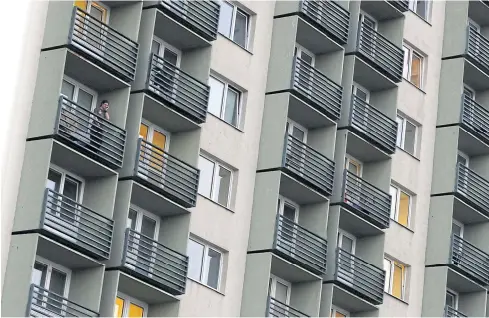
(103,45)
(475,118)
(177,89)
(317,89)
(452,312)
(308,165)
(366,200)
(401,5)
(44,303)
(471,260)
(89,133)
(473,188)
(277,308)
(300,246)
(328,16)
(362,278)
(202,17)
(154,263)
(380,53)
(373,125)
(76,225)
(166,174)
(477,48)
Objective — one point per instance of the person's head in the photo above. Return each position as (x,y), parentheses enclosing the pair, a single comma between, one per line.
(104,105)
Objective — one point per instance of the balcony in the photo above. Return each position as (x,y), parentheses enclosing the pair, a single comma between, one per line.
(154,263)
(317,89)
(470,260)
(361,278)
(300,246)
(76,226)
(366,200)
(277,308)
(328,16)
(472,189)
(166,174)
(308,165)
(380,53)
(477,50)
(401,5)
(373,125)
(90,134)
(103,45)
(177,89)
(44,303)
(451,312)
(202,17)
(475,118)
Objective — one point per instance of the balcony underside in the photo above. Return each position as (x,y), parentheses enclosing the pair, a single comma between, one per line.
(154,202)
(349,301)
(298,191)
(363,148)
(381,10)
(131,285)
(369,75)
(461,283)
(474,76)
(470,143)
(289,271)
(356,224)
(316,41)
(302,112)
(466,213)
(150,281)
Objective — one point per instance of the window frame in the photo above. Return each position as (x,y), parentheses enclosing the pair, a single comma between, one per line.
(50,265)
(151,129)
(455,297)
(76,90)
(64,173)
(273,280)
(164,45)
(459,224)
(127,301)
(215,172)
(283,201)
(411,52)
(140,212)
(413,5)
(402,145)
(335,309)
(391,277)
(398,201)
(224,97)
(349,158)
(204,270)
(290,125)
(341,234)
(233,25)
(299,50)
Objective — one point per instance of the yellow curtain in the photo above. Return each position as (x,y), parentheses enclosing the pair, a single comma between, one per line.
(82,4)
(416,71)
(403,216)
(397,280)
(119,305)
(135,311)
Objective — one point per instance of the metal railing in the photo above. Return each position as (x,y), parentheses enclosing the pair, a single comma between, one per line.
(44,303)
(103,45)
(202,17)
(328,16)
(300,246)
(471,260)
(319,91)
(372,124)
(472,188)
(177,89)
(276,308)
(308,165)
(154,263)
(166,174)
(366,200)
(362,278)
(452,312)
(76,225)
(381,53)
(475,118)
(477,48)
(89,133)
(401,5)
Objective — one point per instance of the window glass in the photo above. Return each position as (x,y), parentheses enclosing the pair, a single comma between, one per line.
(195,252)
(206,168)
(416,65)
(213,268)
(397,280)
(118,307)
(387,268)
(403,215)
(131,220)
(57,282)
(456,229)
(54,180)
(68,90)
(39,274)
(231,110)
(409,137)
(148,227)
(155,47)
(393,193)
(422,8)
(450,299)
(281,291)
(225,19)
(240,28)
(135,311)
(215,96)
(223,185)
(400,129)
(85,99)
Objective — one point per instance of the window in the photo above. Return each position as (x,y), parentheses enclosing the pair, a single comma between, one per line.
(395,276)
(215,181)
(339,312)
(95,9)
(78,93)
(451,299)
(279,290)
(126,306)
(234,24)
(406,135)
(205,264)
(400,206)
(224,101)
(413,66)
(421,8)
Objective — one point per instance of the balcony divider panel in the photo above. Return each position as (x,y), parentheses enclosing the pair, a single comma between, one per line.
(470,259)
(475,117)
(472,188)
(478,49)
(276,308)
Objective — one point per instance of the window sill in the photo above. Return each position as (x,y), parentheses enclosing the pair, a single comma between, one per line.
(220,119)
(402,225)
(216,203)
(202,284)
(401,300)
(245,49)
(419,89)
(410,154)
(424,19)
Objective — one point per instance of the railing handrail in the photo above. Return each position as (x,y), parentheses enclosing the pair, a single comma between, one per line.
(364,181)
(285,305)
(372,108)
(364,25)
(472,173)
(159,59)
(457,239)
(302,62)
(473,102)
(314,151)
(141,141)
(283,219)
(480,36)
(451,309)
(131,232)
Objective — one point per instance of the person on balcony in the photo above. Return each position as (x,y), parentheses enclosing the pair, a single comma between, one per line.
(96,131)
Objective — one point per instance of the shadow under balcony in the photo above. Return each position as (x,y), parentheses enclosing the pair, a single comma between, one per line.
(366,200)
(307,166)
(477,50)
(371,124)
(359,277)
(89,134)
(452,312)
(154,263)
(385,10)
(300,246)
(177,90)
(165,174)
(76,226)
(472,189)
(276,308)
(45,303)
(475,119)
(103,45)
(470,260)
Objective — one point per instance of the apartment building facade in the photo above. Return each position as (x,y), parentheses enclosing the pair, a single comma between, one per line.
(257,158)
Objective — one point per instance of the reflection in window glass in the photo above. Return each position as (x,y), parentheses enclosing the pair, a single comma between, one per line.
(215,96)
(231,110)
(225,19)
(223,185)
(214,266)
(206,168)
(240,28)
(195,252)
(410,137)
